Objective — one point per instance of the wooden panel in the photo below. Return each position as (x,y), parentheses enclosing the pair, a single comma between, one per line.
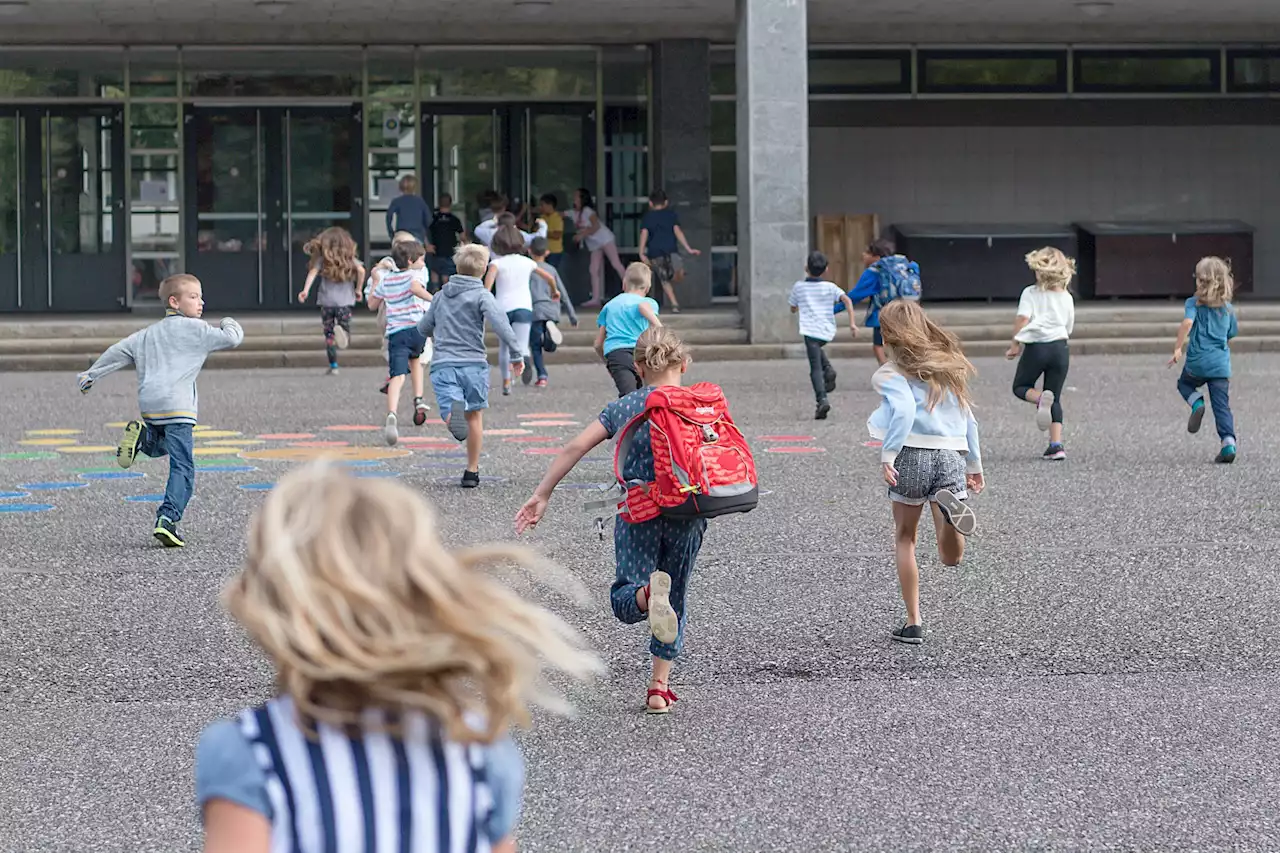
(842,239)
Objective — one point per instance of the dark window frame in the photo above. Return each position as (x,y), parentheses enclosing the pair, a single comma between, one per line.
(1214,58)
(903,58)
(926,87)
(1249,53)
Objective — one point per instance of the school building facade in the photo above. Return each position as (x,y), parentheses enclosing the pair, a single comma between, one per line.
(140,137)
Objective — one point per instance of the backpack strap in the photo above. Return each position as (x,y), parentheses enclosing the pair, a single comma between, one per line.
(625,439)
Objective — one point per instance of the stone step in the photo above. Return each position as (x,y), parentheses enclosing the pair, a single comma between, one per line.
(313,358)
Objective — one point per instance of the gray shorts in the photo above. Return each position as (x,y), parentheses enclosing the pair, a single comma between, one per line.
(922,472)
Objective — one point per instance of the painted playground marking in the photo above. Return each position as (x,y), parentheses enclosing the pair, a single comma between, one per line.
(228,469)
(4,496)
(27,456)
(309,454)
(548,423)
(47,442)
(214,451)
(542,451)
(377,475)
(795,450)
(872,444)
(507,431)
(539,416)
(17,508)
(54,431)
(144,499)
(531,439)
(314,444)
(351,428)
(782,438)
(216,433)
(51,486)
(288,436)
(233,442)
(257,487)
(82,448)
(112,475)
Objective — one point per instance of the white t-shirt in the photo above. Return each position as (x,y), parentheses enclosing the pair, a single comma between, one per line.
(1052,313)
(814,300)
(511,287)
(485,230)
(598,239)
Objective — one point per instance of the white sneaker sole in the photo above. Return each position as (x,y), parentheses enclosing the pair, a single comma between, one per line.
(663,622)
(553,332)
(960,515)
(1044,411)
(391,431)
(340,338)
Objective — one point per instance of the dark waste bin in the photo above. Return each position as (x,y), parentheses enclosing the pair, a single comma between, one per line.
(984,261)
(1158,258)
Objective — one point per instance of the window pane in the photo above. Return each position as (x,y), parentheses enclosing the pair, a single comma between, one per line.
(724,173)
(724,274)
(272,73)
(626,71)
(391,73)
(154,210)
(628,126)
(450,73)
(833,73)
(624,220)
(153,125)
(724,223)
(61,74)
(724,123)
(1255,72)
(148,273)
(390,125)
(724,79)
(153,73)
(959,72)
(626,174)
(1149,73)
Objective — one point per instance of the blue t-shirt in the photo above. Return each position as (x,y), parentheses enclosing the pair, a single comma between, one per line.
(622,321)
(868,286)
(661,225)
(409,213)
(1208,355)
(639,462)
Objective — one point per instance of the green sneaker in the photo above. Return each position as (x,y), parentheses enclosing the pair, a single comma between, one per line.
(167,532)
(127,449)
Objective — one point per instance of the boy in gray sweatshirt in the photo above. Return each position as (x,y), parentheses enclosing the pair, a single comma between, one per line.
(460,364)
(168,356)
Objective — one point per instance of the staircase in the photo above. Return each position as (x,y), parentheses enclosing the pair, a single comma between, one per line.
(71,343)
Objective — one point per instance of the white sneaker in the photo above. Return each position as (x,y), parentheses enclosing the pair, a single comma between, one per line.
(1044,411)
(390,431)
(340,337)
(553,332)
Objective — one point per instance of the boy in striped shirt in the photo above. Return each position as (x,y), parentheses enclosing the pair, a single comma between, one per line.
(812,298)
(404,342)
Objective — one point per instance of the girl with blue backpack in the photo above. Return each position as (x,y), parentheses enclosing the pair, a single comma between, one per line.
(888,276)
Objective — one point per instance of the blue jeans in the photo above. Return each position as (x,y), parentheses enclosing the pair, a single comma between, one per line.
(667,544)
(539,342)
(174,441)
(1219,397)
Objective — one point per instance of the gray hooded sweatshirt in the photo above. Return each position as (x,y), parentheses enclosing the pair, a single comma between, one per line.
(456,323)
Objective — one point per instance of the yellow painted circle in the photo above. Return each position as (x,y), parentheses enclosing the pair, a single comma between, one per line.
(232,442)
(216,433)
(116,425)
(88,448)
(215,451)
(47,442)
(54,431)
(308,454)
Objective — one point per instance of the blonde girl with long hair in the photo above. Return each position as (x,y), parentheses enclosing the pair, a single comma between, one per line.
(1209,323)
(334,262)
(401,667)
(929,444)
(1041,334)
(654,558)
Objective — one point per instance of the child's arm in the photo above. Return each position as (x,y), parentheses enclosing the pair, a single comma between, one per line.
(534,508)
(566,304)
(359,278)
(540,230)
(1234,328)
(392,209)
(644,244)
(228,335)
(427,324)
(416,288)
(374,300)
(311,277)
(1184,329)
(973,459)
(117,357)
(684,244)
(646,311)
(498,322)
(598,345)
(848,306)
(896,391)
(490,276)
(1015,346)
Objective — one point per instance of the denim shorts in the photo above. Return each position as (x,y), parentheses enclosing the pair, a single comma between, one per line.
(402,347)
(876,337)
(468,383)
(442,266)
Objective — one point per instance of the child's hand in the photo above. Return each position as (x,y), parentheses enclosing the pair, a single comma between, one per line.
(1014,350)
(531,513)
(85,383)
(573,323)
(1177,356)
(302,297)
(853,330)
(974,483)
(890,474)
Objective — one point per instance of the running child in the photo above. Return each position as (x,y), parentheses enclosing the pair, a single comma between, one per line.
(460,370)
(549,300)
(381,268)
(333,261)
(405,344)
(661,239)
(548,210)
(812,298)
(1046,318)
(1209,325)
(401,668)
(929,451)
(654,558)
(409,211)
(622,320)
(510,276)
(446,232)
(168,356)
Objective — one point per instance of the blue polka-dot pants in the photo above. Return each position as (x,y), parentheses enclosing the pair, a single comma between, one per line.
(665,544)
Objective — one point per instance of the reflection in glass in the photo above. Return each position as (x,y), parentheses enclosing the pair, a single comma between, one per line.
(78,183)
(147,275)
(228,155)
(449,73)
(558,164)
(724,274)
(724,223)
(80,73)
(724,173)
(464,156)
(9,128)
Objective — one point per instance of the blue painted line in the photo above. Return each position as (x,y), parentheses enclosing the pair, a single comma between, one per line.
(114,475)
(257,487)
(145,499)
(226,469)
(50,487)
(451,454)
(4,496)
(16,508)
(485,480)
(361,463)
(377,475)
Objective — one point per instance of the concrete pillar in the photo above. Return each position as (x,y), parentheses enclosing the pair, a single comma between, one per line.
(773,162)
(682,152)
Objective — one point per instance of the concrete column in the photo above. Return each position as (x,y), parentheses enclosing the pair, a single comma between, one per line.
(773,162)
(682,151)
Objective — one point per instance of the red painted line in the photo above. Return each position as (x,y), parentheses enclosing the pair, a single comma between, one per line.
(795,450)
(319,443)
(288,436)
(542,451)
(786,438)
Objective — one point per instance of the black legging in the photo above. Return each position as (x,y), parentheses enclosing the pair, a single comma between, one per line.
(1050,360)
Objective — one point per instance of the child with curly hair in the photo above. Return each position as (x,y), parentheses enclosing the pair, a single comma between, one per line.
(1041,331)
(334,262)
(1208,325)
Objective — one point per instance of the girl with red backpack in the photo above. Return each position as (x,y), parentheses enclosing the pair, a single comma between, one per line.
(681,460)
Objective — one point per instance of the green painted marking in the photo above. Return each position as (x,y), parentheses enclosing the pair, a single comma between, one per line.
(26,457)
(202,461)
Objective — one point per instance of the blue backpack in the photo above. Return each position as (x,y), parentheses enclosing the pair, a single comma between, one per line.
(899,279)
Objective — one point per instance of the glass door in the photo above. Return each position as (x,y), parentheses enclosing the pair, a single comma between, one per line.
(62,209)
(556,147)
(465,157)
(265,181)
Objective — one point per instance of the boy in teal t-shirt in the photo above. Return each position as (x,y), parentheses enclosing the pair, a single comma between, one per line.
(1208,325)
(622,320)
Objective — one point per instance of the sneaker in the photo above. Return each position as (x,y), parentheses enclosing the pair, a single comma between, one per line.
(341,339)
(458,426)
(910,634)
(420,409)
(167,532)
(541,383)
(390,431)
(1226,455)
(506,387)
(554,333)
(527,375)
(332,371)
(957,513)
(1197,416)
(663,623)
(470,479)
(127,449)
(1055,453)
(830,380)
(1044,411)
(824,408)
(386,383)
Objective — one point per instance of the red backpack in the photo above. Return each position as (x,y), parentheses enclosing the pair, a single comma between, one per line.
(701,462)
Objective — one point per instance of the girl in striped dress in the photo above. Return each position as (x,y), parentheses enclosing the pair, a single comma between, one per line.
(400,668)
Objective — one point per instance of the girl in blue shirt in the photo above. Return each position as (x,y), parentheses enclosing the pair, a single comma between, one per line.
(400,669)
(1208,325)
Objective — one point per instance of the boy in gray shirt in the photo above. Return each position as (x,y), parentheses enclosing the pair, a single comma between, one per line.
(548,302)
(168,356)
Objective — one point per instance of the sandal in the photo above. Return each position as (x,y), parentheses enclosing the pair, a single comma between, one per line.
(665,694)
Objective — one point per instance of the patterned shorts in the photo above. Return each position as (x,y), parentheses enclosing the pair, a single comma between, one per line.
(922,472)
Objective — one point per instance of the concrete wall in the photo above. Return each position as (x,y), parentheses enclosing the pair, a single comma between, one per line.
(926,172)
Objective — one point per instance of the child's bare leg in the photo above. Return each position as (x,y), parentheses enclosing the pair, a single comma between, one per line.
(1055,433)
(475,438)
(879,351)
(660,681)
(416,374)
(394,386)
(950,542)
(669,291)
(906,519)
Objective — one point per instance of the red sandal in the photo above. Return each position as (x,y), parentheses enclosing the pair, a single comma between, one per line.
(663,693)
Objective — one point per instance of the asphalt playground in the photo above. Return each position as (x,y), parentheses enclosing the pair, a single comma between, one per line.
(1101,672)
